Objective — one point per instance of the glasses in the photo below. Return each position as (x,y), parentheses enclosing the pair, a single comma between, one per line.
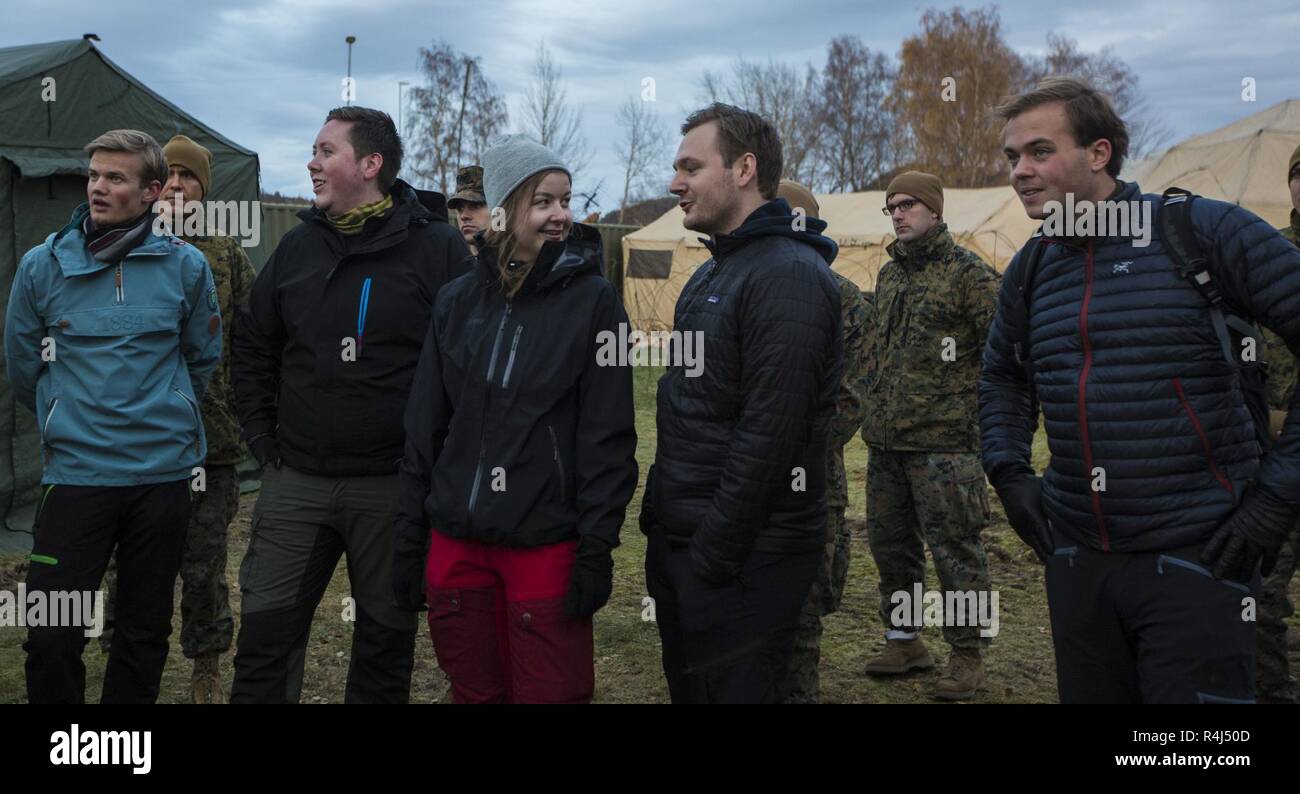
(905,205)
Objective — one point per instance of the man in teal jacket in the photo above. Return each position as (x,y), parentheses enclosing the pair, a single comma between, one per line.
(111,334)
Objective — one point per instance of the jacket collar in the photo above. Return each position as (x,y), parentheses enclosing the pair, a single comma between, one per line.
(68,246)
(933,246)
(557,263)
(383,231)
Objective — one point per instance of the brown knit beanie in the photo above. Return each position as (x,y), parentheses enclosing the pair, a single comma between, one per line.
(183,151)
(922,186)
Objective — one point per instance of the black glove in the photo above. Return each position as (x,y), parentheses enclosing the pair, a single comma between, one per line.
(708,569)
(1021,493)
(647,518)
(265,450)
(409,557)
(592,580)
(1256,530)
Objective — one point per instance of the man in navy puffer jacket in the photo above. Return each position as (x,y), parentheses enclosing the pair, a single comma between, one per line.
(1158,505)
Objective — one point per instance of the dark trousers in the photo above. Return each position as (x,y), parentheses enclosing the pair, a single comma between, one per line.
(302,525)
(1152,627)
(727,643)
(76,531)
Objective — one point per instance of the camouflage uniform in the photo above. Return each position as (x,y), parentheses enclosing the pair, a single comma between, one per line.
(803,682)
(925,485)
(207,625)
(1272,677)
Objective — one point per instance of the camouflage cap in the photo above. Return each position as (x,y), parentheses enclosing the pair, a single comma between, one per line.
(469,186)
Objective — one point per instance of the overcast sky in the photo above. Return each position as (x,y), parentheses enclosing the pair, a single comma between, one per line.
(264,72)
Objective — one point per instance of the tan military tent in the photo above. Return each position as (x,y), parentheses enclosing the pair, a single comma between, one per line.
(662,256)
(1244,162)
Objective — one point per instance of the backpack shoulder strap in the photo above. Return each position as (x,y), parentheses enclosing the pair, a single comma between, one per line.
(1030,255)
(1180,240)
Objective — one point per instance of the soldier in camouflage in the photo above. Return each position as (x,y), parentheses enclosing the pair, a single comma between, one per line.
(934,302)
(1273,680)
(207,625)
(803,684)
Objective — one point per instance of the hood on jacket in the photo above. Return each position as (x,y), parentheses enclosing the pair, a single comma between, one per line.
(68,246)
(558,261)
(776,219)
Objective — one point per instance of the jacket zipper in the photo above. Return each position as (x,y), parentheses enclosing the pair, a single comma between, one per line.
(1200,432)
(1084,436)
(117,280)
(48,416)
(510,364)
(482,443)
(195,411)
(361,312)
(559,464)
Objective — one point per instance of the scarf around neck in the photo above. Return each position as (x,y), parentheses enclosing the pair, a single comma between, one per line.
(351,222)
(111,244)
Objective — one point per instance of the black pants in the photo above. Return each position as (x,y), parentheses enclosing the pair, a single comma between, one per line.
(302,525)
(76,531)
(1151,627)
(727,643)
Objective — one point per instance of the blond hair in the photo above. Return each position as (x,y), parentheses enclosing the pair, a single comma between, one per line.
(135,142)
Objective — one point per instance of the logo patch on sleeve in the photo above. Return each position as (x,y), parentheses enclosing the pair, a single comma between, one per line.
(214,325)
(212,298)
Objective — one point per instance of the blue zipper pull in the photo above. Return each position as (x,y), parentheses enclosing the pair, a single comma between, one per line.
(361,313)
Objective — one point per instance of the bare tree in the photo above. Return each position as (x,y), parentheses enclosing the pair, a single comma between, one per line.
(548,116)
(640,148)
(784,96)
(1106,72)
(859,136)
(447,115)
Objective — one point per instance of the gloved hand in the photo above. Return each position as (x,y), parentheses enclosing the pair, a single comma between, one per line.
(592,580)
(1255,531)
(647,517)
(409,558)
(1021,493)
(265,450)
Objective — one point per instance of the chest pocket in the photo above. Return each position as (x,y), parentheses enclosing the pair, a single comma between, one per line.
(117,348)
(112,324)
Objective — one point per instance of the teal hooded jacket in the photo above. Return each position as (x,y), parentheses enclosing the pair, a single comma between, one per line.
(114,359)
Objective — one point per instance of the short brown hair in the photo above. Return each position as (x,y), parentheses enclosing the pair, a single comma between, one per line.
(739,132)
(1091,115)
(373,131)
(135,142)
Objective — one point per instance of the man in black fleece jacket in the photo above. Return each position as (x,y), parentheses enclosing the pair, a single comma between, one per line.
(324,358)
(735,505)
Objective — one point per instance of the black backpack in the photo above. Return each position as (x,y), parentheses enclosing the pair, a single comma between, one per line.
(1231,325)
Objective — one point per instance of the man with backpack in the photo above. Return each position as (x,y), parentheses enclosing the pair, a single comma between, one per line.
(1158,506)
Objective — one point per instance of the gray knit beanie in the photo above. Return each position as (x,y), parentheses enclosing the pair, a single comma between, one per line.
(510,162)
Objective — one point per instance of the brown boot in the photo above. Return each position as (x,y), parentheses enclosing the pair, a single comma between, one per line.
(901,656)
(962,677)
(205,686)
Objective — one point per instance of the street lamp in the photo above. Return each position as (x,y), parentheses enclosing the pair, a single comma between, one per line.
(400,85)
(350,40)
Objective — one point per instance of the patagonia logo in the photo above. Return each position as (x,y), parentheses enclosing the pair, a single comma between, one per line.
(714,299)
(1122,267)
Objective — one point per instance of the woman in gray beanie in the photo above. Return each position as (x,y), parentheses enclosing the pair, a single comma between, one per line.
(520,450)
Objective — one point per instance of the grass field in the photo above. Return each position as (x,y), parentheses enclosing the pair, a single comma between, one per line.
(1019,663)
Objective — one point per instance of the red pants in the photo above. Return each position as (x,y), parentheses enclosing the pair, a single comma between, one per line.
(498,625)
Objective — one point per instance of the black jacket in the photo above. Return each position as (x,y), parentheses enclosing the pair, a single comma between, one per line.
(319,299)
(730,439)
(1133,383)
(514,434)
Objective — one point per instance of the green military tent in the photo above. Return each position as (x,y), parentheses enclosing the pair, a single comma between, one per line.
(55,98)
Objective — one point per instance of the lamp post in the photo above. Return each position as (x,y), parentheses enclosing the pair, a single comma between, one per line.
(400,85)
(350,40)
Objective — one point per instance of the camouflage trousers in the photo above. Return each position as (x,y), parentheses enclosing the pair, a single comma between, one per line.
(1272,674)
(935,499)
(207,625)
(803,682)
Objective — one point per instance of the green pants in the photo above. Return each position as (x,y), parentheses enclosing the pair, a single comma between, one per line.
(935,499)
